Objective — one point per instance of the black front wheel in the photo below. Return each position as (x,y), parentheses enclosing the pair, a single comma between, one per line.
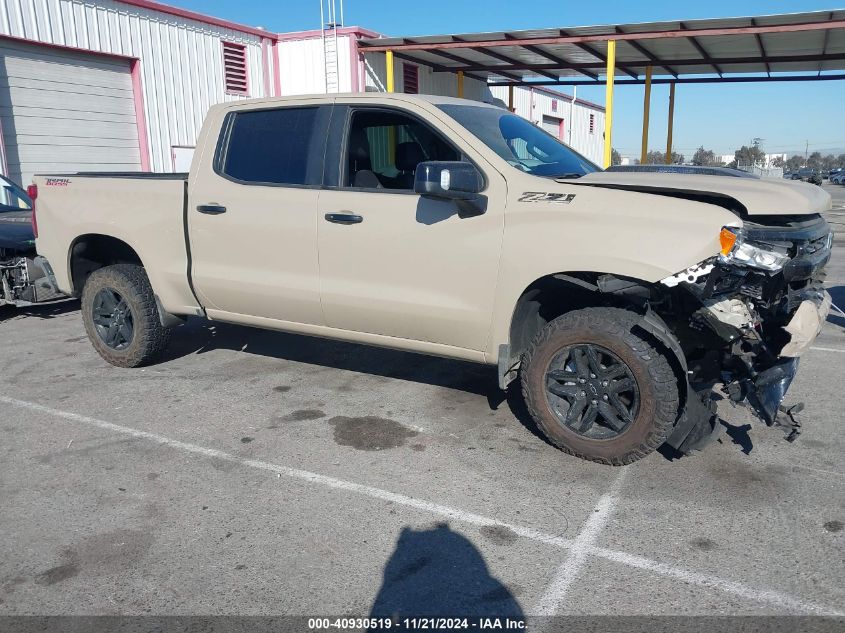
(599,387)
(121,316)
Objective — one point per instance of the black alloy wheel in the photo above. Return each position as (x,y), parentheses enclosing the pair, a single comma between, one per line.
(592,392)
(113,319)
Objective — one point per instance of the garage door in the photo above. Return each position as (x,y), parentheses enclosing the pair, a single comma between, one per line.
(552,125)
(65,111)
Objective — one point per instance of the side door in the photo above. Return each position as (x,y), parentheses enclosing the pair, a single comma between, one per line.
(402,265)
(251,210)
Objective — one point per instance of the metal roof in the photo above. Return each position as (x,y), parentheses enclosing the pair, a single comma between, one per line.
(775,46)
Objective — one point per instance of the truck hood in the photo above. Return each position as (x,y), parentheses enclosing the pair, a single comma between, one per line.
(749,196)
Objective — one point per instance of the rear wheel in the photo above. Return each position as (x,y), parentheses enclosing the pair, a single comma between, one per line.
(121,317)
(598,388)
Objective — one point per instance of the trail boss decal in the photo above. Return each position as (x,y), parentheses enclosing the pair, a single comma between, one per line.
(57,182)
(542,196)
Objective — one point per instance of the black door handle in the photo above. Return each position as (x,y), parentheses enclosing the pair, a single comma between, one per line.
(211,209)
(344,218)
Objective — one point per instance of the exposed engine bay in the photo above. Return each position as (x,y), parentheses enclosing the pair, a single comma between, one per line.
(744,317)
(26,279)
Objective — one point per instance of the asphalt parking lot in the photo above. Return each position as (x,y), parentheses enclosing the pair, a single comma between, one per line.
(257,473)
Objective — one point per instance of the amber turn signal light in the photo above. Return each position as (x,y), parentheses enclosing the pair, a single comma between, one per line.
(727,239)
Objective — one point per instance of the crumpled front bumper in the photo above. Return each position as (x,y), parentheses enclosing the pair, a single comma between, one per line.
(768,388)
(806,325)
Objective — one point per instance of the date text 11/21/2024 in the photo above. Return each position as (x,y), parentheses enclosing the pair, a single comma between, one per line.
(420,623)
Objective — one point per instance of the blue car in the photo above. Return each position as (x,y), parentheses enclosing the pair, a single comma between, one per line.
(25,278)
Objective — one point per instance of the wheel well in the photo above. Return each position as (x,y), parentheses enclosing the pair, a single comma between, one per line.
(549,297)
(92,252)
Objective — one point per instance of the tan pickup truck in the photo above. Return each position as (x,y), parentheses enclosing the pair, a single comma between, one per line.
(449,227)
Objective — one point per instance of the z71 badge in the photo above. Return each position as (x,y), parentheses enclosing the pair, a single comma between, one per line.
(542,196)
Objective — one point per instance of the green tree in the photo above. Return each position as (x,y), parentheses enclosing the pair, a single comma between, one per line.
(794,162)
(814,161)
(615,157)
(828,162)
(746,155)
(778,161)
(655,157)
(840,160)
(704,157)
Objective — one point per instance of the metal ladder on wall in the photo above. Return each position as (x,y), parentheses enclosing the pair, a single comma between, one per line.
(329,24)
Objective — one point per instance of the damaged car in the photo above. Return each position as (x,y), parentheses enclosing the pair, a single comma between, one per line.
(25,278)
(620,301)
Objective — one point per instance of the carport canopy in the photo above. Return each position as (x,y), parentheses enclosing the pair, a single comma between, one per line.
(787,47)
(774,46)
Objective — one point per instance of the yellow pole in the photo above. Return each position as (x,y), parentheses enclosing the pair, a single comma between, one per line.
(510,97)
(671,122)
(460,84)
(608,102)
(646,110)
(389,59)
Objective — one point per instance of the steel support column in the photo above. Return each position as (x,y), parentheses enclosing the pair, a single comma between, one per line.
(460,84)
(608,99)
(671,123)
(646,112)
(388,55)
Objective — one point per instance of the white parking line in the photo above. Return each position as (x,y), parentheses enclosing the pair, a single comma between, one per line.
(778,599)
(580,550)
(828,349)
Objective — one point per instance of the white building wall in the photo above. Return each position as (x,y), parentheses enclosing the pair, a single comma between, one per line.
(535,104)
(303,69)
(180,59)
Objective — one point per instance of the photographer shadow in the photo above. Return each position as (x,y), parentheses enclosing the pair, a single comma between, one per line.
(440,573)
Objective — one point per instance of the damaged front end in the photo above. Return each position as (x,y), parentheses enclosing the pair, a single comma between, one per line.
(743,319)
(26,279)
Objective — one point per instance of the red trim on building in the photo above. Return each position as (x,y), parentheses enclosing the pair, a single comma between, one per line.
(137,89)
(277,65)
(235,67)
(3,163)
(354,65)
(72,49)
(140,116)
(199,17)
(265,67)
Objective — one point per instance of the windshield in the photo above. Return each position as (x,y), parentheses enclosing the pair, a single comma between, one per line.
(12,197)
(519,142)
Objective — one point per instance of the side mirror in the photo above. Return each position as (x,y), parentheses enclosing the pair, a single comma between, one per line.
(452,180)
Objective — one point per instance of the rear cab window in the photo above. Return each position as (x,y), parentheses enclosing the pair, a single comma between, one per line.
(280,146)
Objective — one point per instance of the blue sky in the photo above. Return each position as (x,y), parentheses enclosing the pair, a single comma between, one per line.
(720,117)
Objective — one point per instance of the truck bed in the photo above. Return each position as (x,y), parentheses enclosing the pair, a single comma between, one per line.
(144,210)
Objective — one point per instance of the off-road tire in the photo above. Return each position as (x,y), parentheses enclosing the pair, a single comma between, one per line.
(616,330)
(149,338)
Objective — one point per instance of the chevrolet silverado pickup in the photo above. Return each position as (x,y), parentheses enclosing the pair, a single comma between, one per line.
(621,301)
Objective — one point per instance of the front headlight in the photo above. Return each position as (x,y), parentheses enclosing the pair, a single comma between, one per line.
(735,250)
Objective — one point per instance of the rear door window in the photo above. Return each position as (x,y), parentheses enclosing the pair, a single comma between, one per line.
(283,146)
